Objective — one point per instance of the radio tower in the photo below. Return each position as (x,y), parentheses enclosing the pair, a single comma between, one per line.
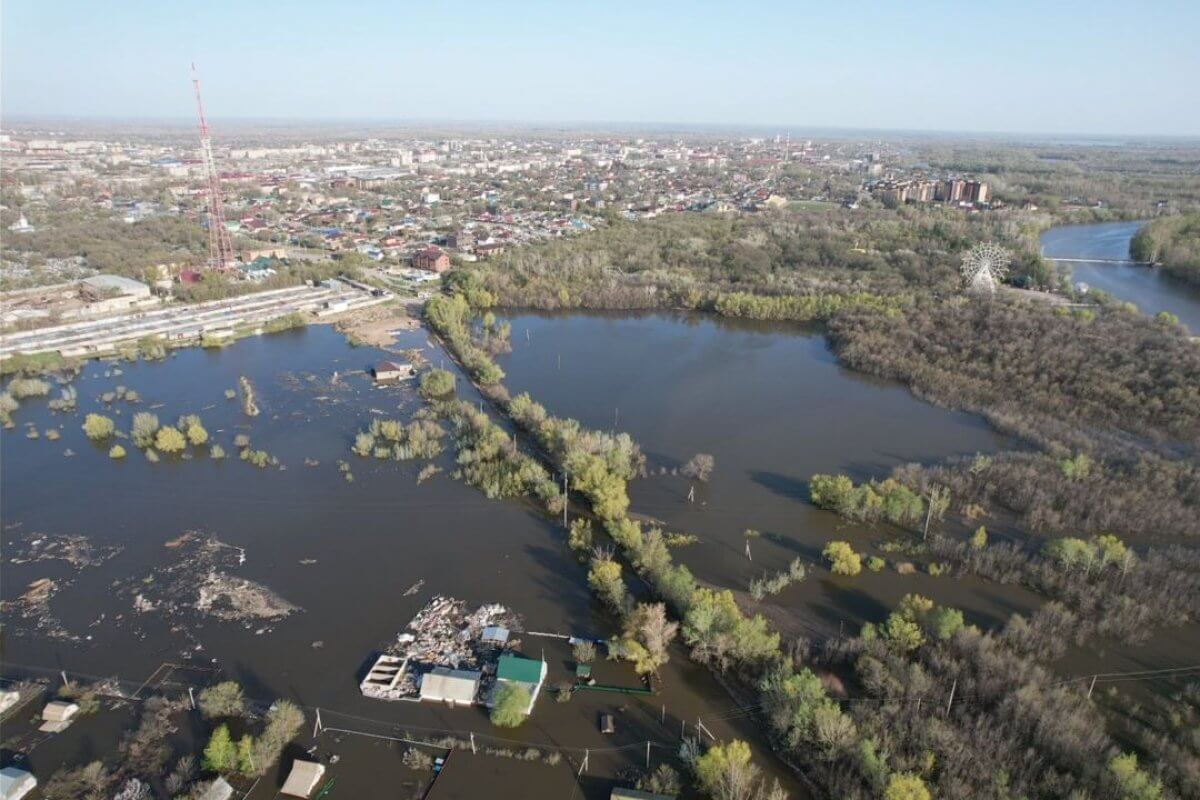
(220,250)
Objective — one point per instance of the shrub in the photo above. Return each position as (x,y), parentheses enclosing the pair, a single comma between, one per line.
(842,558)
(222,700)
(169,440)
(21,388)
(216,451)
(145,425)
(98,426)
(437,383)
(116,451)
(583,652)
(875,563)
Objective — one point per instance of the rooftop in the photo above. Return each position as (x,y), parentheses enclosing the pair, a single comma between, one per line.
(520,670)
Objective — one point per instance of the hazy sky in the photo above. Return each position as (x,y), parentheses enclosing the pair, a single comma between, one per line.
(1056,67)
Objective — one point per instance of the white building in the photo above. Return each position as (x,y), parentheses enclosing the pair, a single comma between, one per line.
(16,783)
(456,687)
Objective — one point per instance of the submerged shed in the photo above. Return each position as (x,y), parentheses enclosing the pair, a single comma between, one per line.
(303,778)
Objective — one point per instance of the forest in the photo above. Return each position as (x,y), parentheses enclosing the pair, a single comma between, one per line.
(1173,242)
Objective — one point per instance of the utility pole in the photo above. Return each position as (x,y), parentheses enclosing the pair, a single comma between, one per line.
(318,726)
(473,743)
(950,705)
(1092,686)
(191,698)
(647,754)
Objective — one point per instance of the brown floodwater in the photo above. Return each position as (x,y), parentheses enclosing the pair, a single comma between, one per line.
(345,553)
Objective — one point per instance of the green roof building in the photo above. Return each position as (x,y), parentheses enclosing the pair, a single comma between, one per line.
(524,671)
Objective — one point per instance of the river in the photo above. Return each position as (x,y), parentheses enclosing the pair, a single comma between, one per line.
(1150,289)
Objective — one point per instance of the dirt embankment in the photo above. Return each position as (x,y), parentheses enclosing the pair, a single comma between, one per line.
(374,326)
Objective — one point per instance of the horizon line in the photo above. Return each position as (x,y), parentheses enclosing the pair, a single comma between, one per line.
(7,119)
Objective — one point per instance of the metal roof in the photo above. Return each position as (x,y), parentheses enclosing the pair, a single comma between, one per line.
(521,670)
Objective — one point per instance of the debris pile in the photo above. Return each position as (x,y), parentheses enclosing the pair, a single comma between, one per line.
(442,634)
(200,580)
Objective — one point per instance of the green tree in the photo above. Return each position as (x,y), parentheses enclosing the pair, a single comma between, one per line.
(169,440)
(905,786)
(220,754)
(1133,782)
(116,451)
(831,492)
(509,704)
(842,558)
(245,756)
(979,538)
(98,426)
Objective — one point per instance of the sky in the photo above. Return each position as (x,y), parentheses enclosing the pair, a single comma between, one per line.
(1057,67)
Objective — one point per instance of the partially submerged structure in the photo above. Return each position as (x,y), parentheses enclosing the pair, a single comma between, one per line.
(58,715)
(392,371)
(455,687)
(447,654)
(524,672)
(303,778)
(15,783)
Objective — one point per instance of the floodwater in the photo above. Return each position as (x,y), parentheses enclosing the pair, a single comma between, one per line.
(344,552)
(772,406)
(1150,289)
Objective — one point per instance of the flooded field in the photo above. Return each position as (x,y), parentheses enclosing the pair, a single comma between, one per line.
(341,555)
(772,406)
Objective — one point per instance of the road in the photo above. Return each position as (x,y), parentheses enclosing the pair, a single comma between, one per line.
(178,322)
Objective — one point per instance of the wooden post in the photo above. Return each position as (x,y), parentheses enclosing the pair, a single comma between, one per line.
(566,500)
(192,698)
(691,494)
(473,732)
(64,677)
(950,705)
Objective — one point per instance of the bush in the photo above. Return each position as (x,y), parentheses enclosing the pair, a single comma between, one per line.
(583,652)
(223,700)
(508,705)
(169,440)
(216,452)
(437,383)
(145,425)
(21,388)
(842,558)
(116,451)
(98,426)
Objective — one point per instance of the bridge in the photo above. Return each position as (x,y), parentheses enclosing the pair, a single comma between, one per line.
(1101,261)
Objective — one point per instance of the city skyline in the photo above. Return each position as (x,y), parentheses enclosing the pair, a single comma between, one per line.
(1067,70)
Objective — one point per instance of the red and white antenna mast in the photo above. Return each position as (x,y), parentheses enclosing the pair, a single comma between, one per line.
(220,249)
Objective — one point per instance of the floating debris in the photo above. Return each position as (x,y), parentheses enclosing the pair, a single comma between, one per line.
(416,587)
(199,580)
(76,550)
